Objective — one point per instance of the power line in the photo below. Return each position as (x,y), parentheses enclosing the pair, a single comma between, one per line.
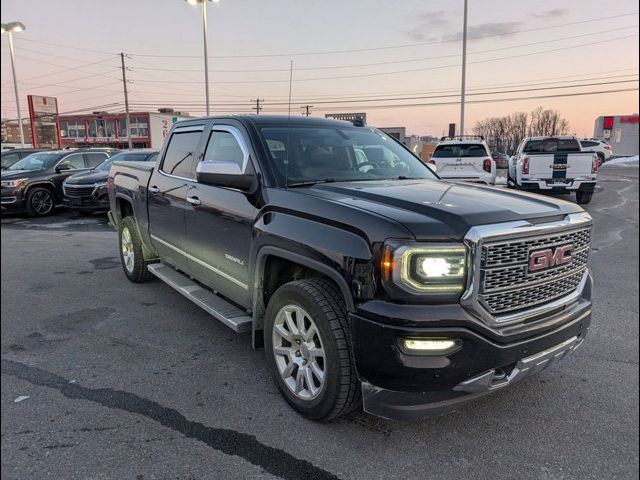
(359,65)
(393,72)
(421,44)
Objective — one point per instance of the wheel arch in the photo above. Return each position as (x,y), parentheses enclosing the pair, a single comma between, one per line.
(275,266)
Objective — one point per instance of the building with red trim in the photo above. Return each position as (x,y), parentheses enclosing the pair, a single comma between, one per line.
(148,129)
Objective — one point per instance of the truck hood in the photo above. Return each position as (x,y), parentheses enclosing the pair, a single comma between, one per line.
(88,178)
(433,208)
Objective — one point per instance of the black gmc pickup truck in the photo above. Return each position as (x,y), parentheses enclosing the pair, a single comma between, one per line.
(367,280)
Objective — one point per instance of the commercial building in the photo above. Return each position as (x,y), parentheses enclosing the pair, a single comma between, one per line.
(148,129)
(620,131)
(10,132)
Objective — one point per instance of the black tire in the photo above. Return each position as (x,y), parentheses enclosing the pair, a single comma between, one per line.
(340,393)
(40,202)
(601,157)
(583,198)
(136,270)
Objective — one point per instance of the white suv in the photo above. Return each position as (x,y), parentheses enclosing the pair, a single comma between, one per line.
(465,159)
(603,149)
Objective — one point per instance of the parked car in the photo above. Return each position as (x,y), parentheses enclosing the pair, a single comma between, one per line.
(368,282)
(11,156)
(602,149)
(34,184)
(554,165)
(464,158)
(86,191)
(501,160)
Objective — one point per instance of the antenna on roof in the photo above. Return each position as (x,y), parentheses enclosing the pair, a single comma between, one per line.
(286,151)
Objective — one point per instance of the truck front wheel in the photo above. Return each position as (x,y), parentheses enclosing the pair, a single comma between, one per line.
(308,349)
(131,256)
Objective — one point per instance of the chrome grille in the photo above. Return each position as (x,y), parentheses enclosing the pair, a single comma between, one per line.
(507,286)
(78,191)
(517,251)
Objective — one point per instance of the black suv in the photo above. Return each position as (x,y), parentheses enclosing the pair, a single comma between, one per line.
(11,156)
(86,191)
(34,184)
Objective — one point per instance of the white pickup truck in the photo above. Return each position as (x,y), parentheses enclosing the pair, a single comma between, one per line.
(554,165)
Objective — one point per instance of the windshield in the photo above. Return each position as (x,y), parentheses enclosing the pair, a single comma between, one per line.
(37,161)
(127,157)
(552,145)
(318,154)
(460,150)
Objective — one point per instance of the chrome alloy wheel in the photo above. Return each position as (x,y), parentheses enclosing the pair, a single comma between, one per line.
(299,353)
(42,202)
(126,245)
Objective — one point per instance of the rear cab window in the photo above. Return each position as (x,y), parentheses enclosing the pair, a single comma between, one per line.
(461,150)
(552,145)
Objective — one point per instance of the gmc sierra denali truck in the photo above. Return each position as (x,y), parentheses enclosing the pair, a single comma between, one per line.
(554,165)
(367,279)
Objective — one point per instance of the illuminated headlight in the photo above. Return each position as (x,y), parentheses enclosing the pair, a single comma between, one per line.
(13,183)
(430,346)
(437,271)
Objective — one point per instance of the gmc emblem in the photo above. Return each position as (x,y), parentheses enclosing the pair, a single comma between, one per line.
(549,257)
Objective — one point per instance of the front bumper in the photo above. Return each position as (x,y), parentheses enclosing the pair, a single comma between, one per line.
(402,386)
(12,200)
(563,185)
(88,203)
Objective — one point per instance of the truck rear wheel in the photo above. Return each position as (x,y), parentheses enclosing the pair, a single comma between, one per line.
(308,349)
(583,198)
(131,256)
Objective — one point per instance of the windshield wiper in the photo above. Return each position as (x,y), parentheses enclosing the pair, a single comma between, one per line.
(311,182)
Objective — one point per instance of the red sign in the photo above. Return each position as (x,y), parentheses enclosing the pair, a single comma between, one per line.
(630,119)
(607,123)
(43,115)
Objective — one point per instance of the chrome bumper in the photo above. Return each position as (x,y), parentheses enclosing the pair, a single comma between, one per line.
(496,379)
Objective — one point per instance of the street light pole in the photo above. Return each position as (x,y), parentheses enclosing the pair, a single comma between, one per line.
(206,55)
(464,68)
(206,59)
(9,28)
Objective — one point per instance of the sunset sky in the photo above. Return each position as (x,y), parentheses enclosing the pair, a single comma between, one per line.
(380,53)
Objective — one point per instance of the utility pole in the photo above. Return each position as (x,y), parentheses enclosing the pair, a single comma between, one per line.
(464,67)
(306,110)
(126,102)
(258,108)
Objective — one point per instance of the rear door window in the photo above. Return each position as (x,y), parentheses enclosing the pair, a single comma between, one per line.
(460,151)
(179,157)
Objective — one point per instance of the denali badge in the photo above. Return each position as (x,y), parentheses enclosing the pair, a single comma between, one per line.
(549,257)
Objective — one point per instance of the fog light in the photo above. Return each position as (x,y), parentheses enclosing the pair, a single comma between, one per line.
(430,345)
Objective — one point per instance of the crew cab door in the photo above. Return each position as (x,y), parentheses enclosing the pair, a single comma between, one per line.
(219,220)
(167,194)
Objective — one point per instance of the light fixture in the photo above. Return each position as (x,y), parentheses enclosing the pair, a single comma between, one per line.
(430,346)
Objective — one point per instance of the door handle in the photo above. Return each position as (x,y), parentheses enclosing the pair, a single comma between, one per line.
(195,201)
(154,189)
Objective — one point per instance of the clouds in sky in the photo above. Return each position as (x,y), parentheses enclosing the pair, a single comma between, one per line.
(430,26)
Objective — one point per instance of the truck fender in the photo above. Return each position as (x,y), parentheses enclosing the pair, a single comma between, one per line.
(148,252)
(268,251)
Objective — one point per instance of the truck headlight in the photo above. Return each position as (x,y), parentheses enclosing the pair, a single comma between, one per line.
(436,271)
(13,183)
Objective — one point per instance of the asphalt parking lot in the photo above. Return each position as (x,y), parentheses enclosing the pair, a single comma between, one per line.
(134,381)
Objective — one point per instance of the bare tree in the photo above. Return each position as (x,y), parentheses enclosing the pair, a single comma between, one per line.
(505,133)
